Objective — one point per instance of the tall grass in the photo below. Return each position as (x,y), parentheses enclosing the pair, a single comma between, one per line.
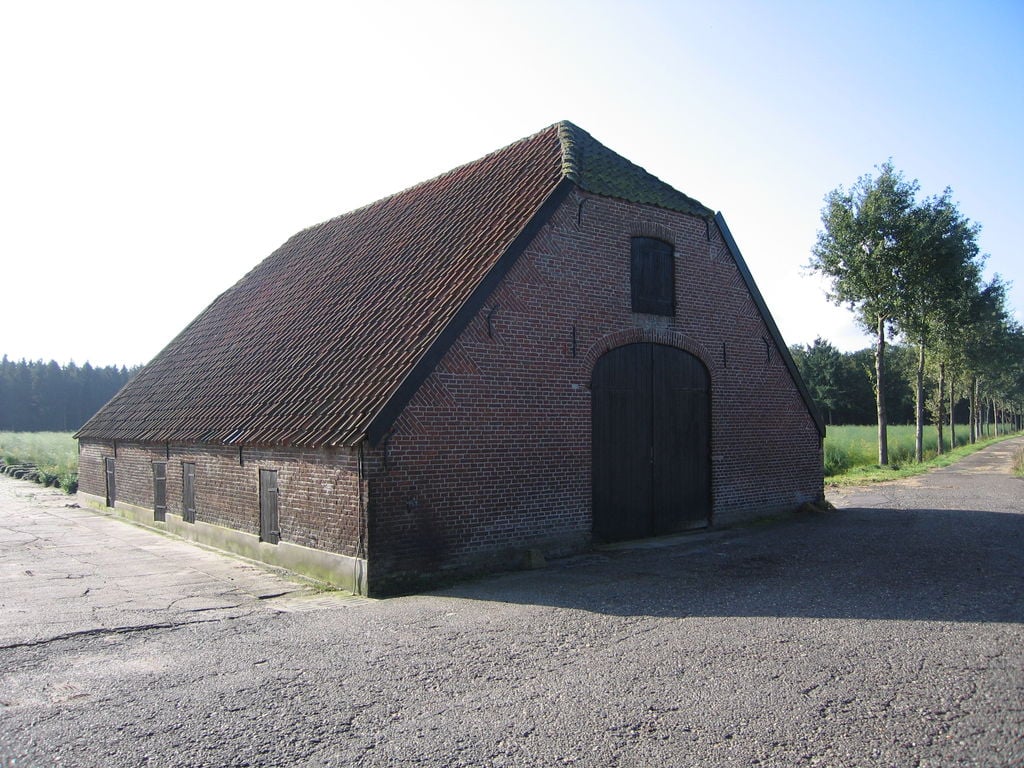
(54,454)
(1018,463)
(849,447)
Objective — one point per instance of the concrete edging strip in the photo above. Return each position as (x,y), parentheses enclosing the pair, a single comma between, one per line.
(339,570)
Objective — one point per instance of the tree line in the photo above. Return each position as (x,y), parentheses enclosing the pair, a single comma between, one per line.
(842,385)
(37,396)
(911,270)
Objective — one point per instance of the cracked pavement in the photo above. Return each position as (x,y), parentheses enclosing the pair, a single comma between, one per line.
(96,573)
(889,632)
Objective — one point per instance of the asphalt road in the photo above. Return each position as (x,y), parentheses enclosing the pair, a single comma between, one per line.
(888,633)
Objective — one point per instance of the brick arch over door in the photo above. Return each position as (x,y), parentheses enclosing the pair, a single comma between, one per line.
(651,442)
(653,335)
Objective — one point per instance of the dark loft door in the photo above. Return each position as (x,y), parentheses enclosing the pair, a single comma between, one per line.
(108,467)
(269,528)
(651,442)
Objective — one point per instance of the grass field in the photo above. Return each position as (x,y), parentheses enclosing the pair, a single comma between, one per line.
(848,447)
(851,452)
(55,454)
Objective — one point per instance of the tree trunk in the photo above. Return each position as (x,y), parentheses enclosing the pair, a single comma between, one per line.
(883,421)
(919,407)
(973,404)
(952,411)
(940,415)
(970,410)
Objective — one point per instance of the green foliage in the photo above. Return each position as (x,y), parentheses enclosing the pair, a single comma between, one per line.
(842,383)
(867,247)
(849,448)
(866,243)
(1018,463)
(821,365)
(914,269)
(53,454)
(38,396)
(942,272)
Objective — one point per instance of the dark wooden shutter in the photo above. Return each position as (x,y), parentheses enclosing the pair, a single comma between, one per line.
(652,276)
(188,491)
(108,468)
(269,526)
(159,490)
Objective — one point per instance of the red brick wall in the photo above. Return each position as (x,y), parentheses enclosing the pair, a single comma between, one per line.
(318,500)
(492,455)
(90,466)
(493,452)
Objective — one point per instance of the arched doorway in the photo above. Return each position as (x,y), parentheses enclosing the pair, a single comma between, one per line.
(651,442)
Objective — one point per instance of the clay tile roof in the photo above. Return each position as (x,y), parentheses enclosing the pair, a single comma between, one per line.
(314,345)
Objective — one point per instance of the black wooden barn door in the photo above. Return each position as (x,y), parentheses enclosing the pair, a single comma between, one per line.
(159,490)
(621,402)
(108,468)
(269,527)
(651,442)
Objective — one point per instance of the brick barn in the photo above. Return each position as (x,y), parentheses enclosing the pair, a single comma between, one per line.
(545,348)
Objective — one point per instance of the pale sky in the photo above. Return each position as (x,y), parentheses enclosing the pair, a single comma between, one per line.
(152,153)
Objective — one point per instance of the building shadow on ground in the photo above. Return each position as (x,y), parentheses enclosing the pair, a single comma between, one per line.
(888,564)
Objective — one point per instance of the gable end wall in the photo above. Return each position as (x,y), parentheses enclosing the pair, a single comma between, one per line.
(491,457)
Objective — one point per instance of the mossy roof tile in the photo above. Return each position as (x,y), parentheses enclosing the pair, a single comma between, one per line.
(601,171)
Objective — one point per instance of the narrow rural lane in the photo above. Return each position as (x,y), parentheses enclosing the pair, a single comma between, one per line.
(889,632)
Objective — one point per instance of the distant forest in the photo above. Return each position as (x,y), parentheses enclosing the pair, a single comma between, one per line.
(41,397)
(842,384)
